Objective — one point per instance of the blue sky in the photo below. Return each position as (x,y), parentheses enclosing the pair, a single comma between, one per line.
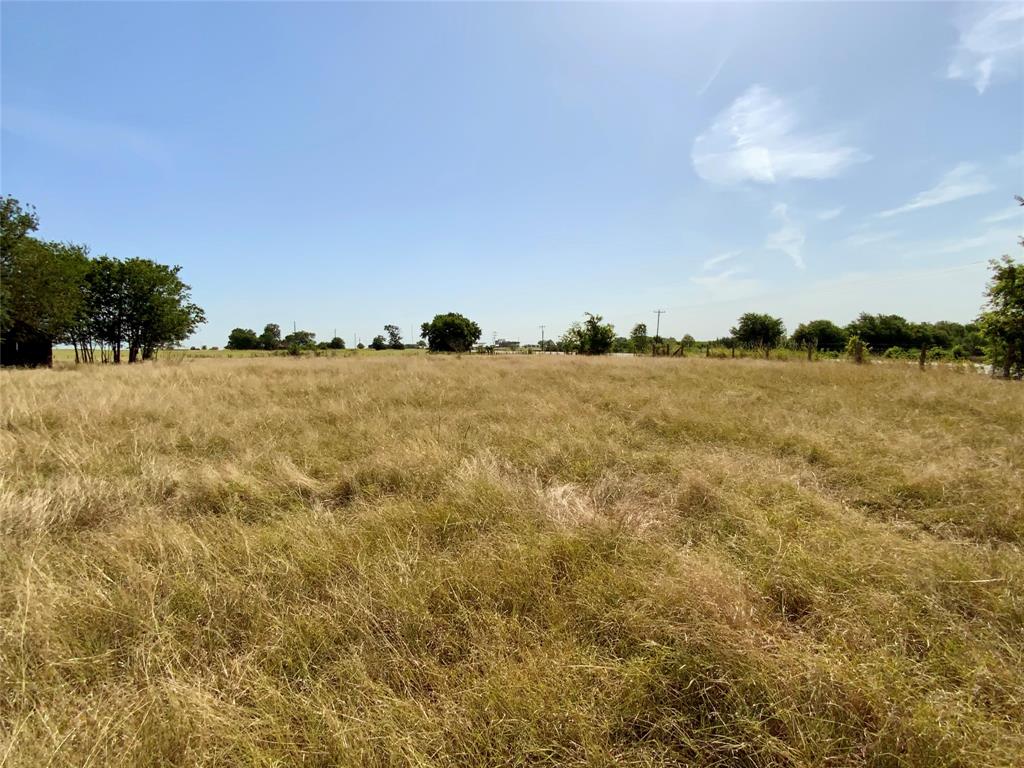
(347,166)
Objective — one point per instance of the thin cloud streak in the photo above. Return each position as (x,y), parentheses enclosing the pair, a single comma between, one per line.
(789,238)
(709,263)
(963,181)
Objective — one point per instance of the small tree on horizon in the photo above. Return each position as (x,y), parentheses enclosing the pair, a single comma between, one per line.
(639,338)
(243,338)
(394,337)
(759,331)
(450,332)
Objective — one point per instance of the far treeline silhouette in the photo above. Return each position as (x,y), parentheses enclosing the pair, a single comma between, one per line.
(54,292)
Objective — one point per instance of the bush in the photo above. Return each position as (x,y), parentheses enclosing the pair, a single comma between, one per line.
(856,349)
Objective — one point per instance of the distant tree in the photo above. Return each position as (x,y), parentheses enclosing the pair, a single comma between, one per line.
(548,345)
(450,332)
(360,345)
(394,337)
(336,343)
(300,339)
(621,344)
(421,344)
(43,289)
(689,341)
(820,334)
(639,338)
(271,336)
(882,331)
(592,337)
(158,308)
(758,331)
(1002,321)
(378,343)
(243,338)
(856,349)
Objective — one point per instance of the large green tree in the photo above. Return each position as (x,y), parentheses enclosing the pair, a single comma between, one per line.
(759,331)
(591,337)
(820,334)
(1002,322)
(394,337)
(271,336)
(243,338)
(450,332)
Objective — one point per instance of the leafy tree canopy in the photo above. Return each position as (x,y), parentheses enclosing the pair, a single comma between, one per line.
(450,332)
(757,330)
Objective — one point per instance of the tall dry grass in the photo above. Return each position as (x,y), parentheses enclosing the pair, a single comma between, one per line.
(510,561)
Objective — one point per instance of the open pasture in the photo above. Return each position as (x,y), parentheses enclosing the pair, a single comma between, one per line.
(412,560)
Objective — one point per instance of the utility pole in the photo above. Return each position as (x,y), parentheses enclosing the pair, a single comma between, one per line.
(657,327)
(294,329)
(542,338)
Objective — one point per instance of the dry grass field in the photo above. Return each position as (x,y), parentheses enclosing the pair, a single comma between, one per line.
(440,561)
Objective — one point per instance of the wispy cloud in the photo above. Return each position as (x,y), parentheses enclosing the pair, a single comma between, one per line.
(81,136)
(714,74)
(963,181)
(990,45)
(831,213)
(869,238)
(756,139)
(788,238)
(726,285)
(1013,212)
(709,263)
(988,241)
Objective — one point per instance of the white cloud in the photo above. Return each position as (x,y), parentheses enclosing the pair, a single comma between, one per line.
(789,238)
(869,238)
(755,139)
(725,286)
(84,137)
(963,181)
(709,263)
(714,74)
(1013,212)
(831,213)
(990,45)
(990,241)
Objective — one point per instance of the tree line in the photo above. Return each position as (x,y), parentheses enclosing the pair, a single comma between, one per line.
(56,293)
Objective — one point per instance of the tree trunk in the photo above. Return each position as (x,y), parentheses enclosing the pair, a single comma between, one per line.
(924,356)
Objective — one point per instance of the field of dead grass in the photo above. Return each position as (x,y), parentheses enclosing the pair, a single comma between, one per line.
(544,560)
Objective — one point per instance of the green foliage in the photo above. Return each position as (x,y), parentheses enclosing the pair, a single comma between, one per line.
(394,337)
(336,343)
(639,339)
(757,331)
(592,337)
(301,339)
(856,349)
(820,334)
(243,338)
(55,292)
(271,336)
(450,332)
(379,343)
(1002,322)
